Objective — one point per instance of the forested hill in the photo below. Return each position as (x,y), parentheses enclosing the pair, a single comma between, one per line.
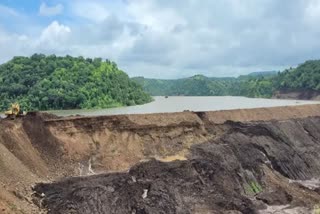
(199,85)
(305,77)
(44,82)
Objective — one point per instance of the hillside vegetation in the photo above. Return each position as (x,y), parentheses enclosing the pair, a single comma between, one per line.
(194,86)
(305,77)
(44,82)
(205,86)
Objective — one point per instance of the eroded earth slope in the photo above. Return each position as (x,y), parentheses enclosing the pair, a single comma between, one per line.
(239,161)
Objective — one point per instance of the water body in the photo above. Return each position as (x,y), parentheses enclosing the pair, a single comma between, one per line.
(180,103)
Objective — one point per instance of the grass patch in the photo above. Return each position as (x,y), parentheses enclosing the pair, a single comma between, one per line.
(253,188)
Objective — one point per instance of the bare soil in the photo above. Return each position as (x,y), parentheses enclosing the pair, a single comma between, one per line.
(45,148)
(298,94)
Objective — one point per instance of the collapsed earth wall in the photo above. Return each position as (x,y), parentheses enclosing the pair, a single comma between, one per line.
(225,152)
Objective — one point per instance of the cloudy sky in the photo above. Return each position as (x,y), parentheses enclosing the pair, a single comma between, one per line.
(166,38)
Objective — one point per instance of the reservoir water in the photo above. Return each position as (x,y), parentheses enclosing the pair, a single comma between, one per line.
(181,103)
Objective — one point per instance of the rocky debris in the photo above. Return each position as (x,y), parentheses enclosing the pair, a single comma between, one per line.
(277,197)
(248,159)
(313,184)
(225,175)
(286,209)
(174,187)
(291,147)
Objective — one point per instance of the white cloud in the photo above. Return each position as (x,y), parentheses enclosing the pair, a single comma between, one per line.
(7,11)
(178,38)
(146,13)
(46,10)
(53,36)
(90,10)
(55,31)
(14,44)
(312,14)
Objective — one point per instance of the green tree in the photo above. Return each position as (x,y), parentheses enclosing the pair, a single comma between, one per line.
(44,82)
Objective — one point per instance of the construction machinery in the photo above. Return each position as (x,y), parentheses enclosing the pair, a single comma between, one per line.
(14,111)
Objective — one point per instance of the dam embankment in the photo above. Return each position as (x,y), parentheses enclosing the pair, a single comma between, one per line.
(188,162)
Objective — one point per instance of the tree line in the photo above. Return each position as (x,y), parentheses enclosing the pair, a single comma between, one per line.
(305,77)
(43,82)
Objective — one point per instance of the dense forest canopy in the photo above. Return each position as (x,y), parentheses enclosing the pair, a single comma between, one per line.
(198,85)
(305,77)
(44,82)
(204,86)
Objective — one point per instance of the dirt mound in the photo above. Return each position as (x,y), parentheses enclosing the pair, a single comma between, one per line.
(152,187)
(245,170)
(262,114)
(41,147)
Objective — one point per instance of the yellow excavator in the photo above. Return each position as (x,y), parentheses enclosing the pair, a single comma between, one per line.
(14,111)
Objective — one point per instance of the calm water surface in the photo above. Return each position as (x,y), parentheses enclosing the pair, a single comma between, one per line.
(179,104)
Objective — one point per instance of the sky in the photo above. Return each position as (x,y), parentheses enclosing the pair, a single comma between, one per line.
(166,38)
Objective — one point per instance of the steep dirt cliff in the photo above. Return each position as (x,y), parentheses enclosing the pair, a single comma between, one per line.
(191,162)
(302,94)
(243,171)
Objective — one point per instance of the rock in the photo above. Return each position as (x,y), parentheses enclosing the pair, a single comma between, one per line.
(276,197)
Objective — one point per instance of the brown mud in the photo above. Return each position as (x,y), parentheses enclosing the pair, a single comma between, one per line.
(239,161)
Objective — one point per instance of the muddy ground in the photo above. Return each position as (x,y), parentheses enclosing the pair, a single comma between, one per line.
(239,161)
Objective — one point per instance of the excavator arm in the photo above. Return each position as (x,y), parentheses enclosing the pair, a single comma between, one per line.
(14,111)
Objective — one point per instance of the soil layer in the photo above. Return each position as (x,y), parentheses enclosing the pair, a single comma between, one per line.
(238,161)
